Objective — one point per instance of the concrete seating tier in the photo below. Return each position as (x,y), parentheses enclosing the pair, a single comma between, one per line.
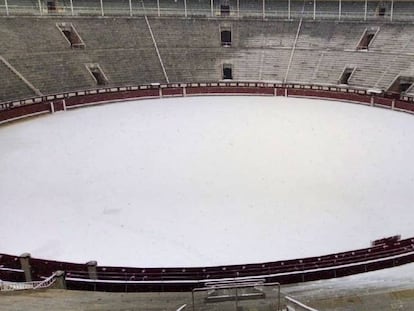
(262,34)
(27,35)
(55,72)
(191,51)
(186,64)
(11,87)
(113,33)
(403,10)
(278,9)
(129,66)
(182,33)
(394,38)
(301,70)
(330,35)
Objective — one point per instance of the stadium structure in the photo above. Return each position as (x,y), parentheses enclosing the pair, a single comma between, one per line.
(59,55)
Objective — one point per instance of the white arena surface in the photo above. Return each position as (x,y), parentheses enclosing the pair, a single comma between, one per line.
(202,181)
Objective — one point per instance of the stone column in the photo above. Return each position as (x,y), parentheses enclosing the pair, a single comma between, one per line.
(92,270)
(25,266)
(60,280)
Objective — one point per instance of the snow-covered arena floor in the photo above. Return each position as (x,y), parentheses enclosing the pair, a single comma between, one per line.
(202,181)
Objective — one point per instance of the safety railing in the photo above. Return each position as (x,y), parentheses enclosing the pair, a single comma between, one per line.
(336,10)
(14,286)
(156,86)
(295,305)
(14,110)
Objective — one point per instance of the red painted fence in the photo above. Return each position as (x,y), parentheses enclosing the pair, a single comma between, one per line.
(14,110)
(78,276)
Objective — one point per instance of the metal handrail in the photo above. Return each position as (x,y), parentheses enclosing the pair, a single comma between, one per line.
(13,286)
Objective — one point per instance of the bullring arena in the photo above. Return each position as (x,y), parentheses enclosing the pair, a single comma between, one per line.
(206,155)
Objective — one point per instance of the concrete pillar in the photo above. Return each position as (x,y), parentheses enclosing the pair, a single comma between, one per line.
(60,280)
(185,8)
(288,9)
(130,7)
(71,7)
(25,266)
(7,7)
(340,10)
(365,10)
(264,9)
(93,275)
(40,7)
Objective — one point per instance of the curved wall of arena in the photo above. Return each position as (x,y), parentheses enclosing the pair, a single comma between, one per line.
(390,252)
(15,110)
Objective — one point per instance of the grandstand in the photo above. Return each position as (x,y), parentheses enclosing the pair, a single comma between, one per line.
(58,55)
(143,51)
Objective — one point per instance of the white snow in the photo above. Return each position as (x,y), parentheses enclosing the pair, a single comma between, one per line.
(205,181)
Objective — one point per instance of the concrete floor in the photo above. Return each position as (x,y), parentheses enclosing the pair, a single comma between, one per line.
(52,299)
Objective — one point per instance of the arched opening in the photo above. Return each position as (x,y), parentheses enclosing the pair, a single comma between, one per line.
(346,75)
(381,11)
(225,38)
(401,84)
(71,35)
(227,72)
(225,10)
(51,6)
(97,73)
(367,38)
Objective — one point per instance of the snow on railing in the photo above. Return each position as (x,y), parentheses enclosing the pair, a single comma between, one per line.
(13,286)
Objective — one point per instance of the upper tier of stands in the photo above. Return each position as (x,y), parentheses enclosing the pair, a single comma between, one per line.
(133,51)
(318,9)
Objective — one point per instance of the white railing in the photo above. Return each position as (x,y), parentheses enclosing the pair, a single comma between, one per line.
(193,8)
(13,286)
(294,305)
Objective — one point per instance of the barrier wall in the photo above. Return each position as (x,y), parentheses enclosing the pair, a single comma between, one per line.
(90,276)
(15,110)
